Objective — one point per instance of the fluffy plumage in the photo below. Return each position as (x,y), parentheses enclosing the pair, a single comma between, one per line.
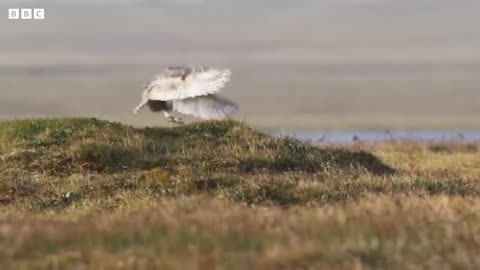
(189,90)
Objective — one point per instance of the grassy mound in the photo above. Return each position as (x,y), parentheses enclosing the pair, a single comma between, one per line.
(67,146)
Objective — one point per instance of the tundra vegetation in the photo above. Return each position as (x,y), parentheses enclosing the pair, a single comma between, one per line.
(92,194)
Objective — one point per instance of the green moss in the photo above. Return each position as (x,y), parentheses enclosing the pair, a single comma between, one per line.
(101,156)
(58,201)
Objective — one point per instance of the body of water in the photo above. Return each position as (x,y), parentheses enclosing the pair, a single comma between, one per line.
(351,136)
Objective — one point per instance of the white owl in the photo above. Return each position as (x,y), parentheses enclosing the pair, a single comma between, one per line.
(188,90)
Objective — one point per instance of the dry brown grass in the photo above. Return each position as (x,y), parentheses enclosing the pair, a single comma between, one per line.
(97,195)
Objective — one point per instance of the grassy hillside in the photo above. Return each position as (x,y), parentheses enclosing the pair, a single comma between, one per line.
(101,195)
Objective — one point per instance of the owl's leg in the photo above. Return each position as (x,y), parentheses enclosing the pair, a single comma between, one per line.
(171,119)
(142,104)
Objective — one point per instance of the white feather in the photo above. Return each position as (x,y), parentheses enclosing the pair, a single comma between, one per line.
(182,83)
(209,107)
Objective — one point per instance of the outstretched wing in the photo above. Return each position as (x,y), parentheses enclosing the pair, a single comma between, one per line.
(206,107)
(182,83)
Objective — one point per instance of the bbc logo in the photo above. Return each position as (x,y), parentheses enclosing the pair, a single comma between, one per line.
(26,13)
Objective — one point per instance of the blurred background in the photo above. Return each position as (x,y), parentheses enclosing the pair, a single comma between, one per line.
(298,64)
